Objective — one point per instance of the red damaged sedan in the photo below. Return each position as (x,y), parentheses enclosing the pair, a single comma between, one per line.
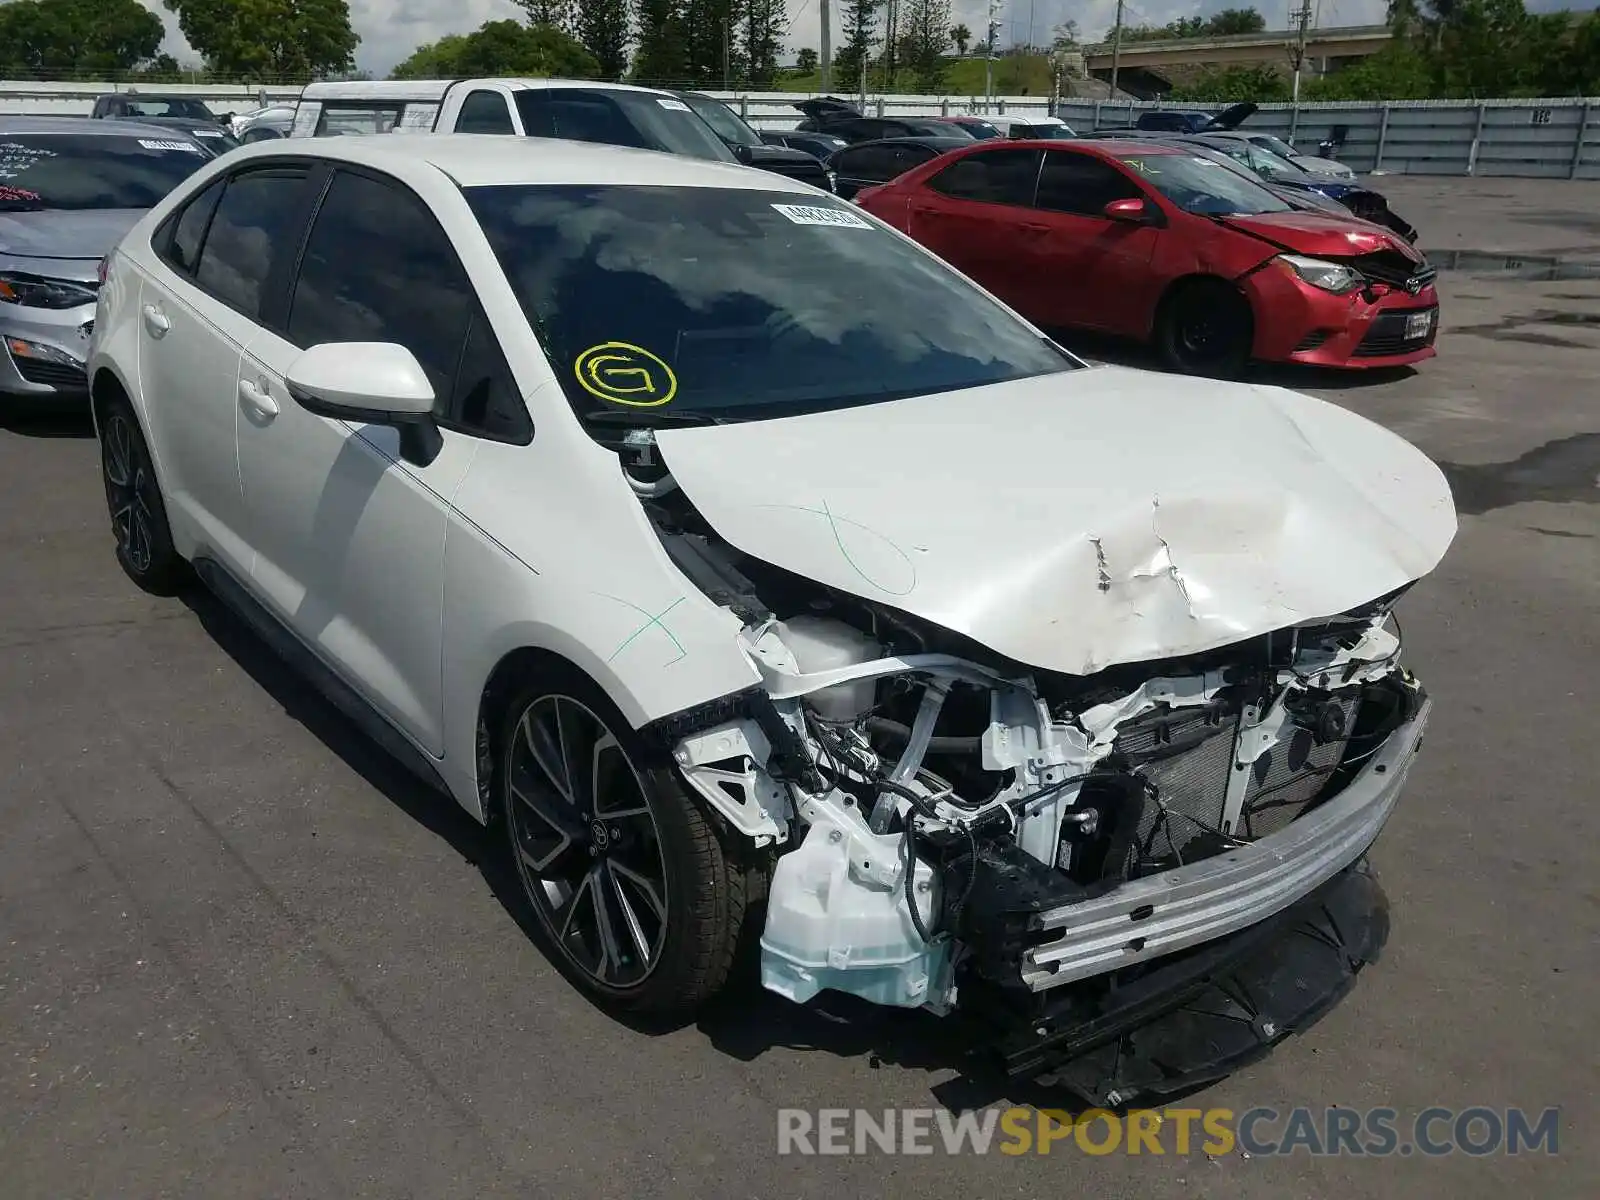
(1167,245)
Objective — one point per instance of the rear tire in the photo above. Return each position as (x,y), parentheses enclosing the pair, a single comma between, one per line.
(1205,328)
(133,498)
(635,897)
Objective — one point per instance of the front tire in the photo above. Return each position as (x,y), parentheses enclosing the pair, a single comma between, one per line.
(1205,328)
(632,889)
(133,498)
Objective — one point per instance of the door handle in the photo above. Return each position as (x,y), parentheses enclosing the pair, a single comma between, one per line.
(257,400)
(1036,230)
(156,321)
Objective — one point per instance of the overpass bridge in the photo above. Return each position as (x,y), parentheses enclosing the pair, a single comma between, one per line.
(1326,50)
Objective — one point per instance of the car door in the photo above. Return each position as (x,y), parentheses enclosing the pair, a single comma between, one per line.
(1089,270)
(976,214)
(869,165)
(349,535)
(196,316)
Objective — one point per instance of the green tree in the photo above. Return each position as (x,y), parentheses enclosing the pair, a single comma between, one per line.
(501,48)
(1064,36)
(1397,72)
(764,25)
(1230,85)
(712,49)
(663,54)
(269,38)
(1234,21)
(860,38)
(605,28)
(924,38)
(558,13)
(962,37)
(62,37)
(805,60)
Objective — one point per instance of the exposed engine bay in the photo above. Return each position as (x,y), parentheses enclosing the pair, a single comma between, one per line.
(949,828)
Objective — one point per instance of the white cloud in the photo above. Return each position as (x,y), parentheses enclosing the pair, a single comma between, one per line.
(391,29)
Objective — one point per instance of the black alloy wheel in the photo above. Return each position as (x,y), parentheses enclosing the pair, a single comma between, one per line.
(133,498)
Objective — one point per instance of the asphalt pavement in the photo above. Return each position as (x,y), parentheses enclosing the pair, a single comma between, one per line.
(244,955)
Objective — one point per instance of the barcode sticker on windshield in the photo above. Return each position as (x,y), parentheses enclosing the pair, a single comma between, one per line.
(674,105)
(810,214)
(154,145)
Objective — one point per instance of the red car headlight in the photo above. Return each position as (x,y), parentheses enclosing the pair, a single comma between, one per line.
(1319,273)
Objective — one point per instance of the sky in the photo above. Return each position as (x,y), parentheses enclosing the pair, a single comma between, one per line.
(391,29)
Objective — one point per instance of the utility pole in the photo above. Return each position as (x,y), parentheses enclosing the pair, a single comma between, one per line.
(1116,50)
(891,15)
(727,49)
(988,63)
(1300,21)
(827,53)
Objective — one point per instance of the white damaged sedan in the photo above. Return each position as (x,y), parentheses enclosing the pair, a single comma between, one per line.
(751,569)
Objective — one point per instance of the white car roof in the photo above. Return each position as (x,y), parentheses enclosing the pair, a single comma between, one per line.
(482,160)
(434,89)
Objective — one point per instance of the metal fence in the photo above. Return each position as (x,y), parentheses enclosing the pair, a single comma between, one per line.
(1557,139)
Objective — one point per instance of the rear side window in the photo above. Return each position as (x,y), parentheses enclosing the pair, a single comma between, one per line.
(340,120)
(253,223)
(379,268)
(991,177)
(484,112)
(189,233)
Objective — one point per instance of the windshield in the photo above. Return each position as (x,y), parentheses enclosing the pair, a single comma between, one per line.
(722,121)
(666,303)
(981,130)
(618,118)
(1273,145)
(168,106)
(1047,130)
(83,171)
(1200,184)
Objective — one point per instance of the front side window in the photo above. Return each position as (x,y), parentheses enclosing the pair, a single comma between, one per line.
(738,304)
(378,267)
(617,118)
(41,171)
(991,177)
(1200,184)
(1083,186)
(252,224)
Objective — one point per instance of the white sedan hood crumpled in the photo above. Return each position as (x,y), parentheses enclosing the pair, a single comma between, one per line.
(1084,519)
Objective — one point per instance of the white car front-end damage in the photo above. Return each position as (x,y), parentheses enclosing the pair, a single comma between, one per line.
(1033,753)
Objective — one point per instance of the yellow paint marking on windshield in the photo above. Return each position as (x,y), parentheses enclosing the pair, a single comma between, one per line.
(622,373)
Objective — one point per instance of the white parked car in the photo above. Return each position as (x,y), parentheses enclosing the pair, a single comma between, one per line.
(745,563)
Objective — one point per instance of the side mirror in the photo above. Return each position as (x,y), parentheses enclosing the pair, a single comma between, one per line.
(377,383)
(1131,212)
(225,119)
(740,151)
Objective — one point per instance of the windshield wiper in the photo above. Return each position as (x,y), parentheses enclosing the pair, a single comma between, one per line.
(645,417)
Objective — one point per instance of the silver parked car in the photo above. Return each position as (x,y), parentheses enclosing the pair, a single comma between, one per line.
(69,189)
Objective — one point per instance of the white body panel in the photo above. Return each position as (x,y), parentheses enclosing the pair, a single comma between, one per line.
(1240,510)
